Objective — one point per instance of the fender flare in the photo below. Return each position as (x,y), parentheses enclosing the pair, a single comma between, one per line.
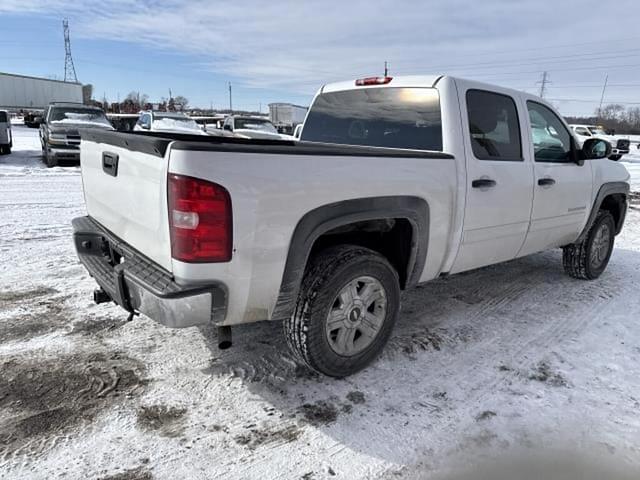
(609,188)
(327,217)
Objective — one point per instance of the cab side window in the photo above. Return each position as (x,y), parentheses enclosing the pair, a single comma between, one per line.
(494,126)
(551,139)
(145,120)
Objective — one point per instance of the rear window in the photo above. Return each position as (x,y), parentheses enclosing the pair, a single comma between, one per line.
(78,116)
(3,117)
(378,117)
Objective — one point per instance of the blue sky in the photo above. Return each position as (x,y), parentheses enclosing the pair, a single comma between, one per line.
(283,51)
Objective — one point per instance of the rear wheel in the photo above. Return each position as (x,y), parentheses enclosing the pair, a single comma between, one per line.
(588,259)
(346,309)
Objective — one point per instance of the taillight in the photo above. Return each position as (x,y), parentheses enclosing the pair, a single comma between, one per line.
(373,81)
(200,220)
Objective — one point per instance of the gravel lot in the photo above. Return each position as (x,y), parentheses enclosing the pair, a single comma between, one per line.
(510,359)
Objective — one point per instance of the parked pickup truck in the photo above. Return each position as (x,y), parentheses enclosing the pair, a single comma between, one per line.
(59,130)
(394,182)
(619,146)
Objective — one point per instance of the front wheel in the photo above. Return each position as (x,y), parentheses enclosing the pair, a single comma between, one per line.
(588,259)
(345,312)
(50,160)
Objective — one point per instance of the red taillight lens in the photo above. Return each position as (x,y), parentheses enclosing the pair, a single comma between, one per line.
(199,220)
(373,81)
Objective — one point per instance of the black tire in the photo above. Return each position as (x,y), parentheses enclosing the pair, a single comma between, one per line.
(326,276)
(49,160)
(577,258)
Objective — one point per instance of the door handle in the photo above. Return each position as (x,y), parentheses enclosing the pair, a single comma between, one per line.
(546,181)
(483,183)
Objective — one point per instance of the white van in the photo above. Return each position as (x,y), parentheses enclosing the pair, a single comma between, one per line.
(6,141)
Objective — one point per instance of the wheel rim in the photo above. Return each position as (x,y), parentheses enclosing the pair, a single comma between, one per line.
(600,245)
(356,316)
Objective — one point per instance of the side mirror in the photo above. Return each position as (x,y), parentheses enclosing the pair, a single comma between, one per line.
(38,120)
(226,126)
(146,126)
(595,148)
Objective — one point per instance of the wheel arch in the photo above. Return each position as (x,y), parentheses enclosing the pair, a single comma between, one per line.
(612,197)
(331,217)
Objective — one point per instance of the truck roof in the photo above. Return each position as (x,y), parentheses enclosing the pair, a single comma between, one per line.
(166,114)
(401,81)
(407,81)
(74,105)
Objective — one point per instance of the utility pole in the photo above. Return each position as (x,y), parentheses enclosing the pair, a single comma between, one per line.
(230,99)
(604,87)
(543,84)
(69,68)
(386,69)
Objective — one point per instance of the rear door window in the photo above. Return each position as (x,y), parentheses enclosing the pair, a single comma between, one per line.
(3,117)
(494,126)
(407,118)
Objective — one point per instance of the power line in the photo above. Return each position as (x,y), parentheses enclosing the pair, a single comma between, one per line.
(594,101)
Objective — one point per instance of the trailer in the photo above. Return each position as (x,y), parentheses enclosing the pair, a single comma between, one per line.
(285,116)
(30,95)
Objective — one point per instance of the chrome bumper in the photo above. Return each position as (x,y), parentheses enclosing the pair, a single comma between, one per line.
(139,285)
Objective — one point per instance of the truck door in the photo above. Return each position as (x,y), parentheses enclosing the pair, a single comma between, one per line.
(562,188)
(499,190)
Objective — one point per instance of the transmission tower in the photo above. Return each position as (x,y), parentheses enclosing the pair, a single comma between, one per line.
(69,68)
(543,84)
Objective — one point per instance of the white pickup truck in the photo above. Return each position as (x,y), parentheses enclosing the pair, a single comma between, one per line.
(619,146)
(394,182)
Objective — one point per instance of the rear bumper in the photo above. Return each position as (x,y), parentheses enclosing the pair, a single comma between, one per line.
(137,284)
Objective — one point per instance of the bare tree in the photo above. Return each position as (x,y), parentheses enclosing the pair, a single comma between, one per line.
(181,103)
(613,111)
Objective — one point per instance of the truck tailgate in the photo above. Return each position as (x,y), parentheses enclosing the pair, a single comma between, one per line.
(125,190)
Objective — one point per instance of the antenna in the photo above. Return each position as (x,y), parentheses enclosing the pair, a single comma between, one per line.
(230,102)
(386,69)
(69,68)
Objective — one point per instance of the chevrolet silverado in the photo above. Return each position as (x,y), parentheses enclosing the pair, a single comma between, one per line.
(394,182)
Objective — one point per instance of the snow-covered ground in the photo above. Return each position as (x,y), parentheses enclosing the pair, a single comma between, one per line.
(512,359)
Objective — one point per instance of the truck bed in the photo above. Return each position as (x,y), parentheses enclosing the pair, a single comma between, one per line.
(272,185)
(157,143)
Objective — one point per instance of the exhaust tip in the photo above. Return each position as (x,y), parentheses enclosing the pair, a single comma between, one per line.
(224,338)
